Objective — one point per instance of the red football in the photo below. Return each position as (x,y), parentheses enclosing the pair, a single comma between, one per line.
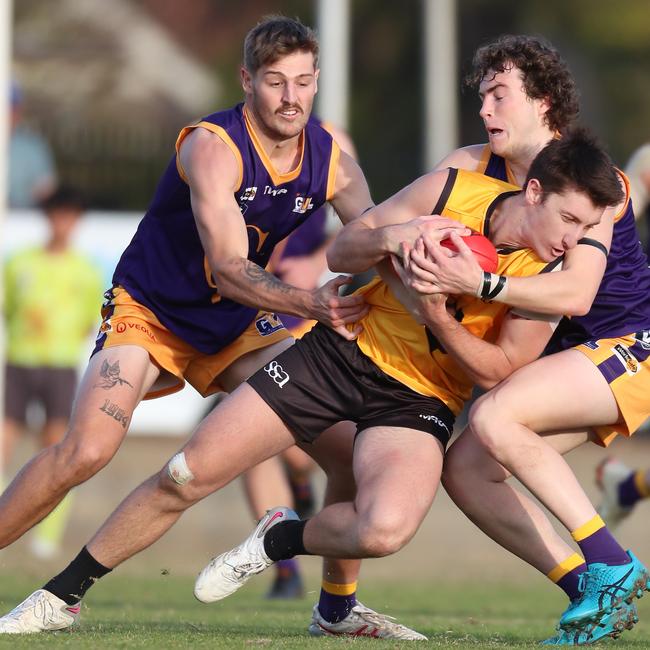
(481,246)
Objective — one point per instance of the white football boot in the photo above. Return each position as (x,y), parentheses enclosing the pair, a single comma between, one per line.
(363,621)
(229,571)
(41,612)
(609,475)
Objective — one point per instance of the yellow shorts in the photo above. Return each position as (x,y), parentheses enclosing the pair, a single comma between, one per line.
(625,364)
(300,330)
(127,322)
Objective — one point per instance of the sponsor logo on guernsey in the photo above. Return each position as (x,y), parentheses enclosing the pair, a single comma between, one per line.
(644,339)
(268,324)
(303,203)
(248,194)
(277,373)
(122,327)
(273,191)
(437,420)
(624,355)
(592,345)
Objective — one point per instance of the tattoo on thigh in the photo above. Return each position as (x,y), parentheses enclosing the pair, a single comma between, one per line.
(110,376)
(115,412)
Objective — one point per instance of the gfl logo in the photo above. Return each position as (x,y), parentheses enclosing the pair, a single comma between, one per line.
(275,371)
(303,203)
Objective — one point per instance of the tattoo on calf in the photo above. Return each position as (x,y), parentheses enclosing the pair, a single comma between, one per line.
(110,375)
(115,412)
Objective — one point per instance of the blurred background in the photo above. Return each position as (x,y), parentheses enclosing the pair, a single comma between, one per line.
(106,86)
(104,89)
(110,84)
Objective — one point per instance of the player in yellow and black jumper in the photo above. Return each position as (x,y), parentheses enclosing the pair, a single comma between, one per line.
(403,380)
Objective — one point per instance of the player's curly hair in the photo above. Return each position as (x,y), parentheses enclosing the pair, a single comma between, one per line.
(276,36)
(545,74)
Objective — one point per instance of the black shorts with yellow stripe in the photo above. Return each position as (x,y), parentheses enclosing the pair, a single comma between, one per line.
(323,379)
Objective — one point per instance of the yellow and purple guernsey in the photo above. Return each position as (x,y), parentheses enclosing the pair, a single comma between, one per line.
(407,350)
(164,267)
(622,304)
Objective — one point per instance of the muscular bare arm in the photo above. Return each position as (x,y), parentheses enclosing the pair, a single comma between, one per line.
(213,174)
(365,241)
(570,291)
(520,340)
(351,197)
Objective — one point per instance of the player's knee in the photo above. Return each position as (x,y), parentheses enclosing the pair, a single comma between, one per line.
(178,480)
(384,534)
(80,460)
(484,418)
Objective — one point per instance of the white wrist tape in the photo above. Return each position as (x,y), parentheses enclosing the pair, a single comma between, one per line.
(493,287)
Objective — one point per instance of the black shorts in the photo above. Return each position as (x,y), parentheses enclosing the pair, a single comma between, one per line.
(52,387)
(323,379)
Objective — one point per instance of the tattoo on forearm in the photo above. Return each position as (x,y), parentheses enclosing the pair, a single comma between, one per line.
(257,274)
(114,411)
(110,376)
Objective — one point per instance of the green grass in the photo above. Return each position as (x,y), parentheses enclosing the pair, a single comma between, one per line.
(160,612)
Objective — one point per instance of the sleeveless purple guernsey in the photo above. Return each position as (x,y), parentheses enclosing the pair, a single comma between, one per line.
(622,304)
(304,240)
(311,234)
(164,266)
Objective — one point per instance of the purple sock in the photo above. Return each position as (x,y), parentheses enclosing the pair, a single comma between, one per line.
(569,582)
(602,547)
(628,492)
(334,608)
(286,568)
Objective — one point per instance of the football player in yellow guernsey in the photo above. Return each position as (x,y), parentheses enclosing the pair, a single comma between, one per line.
(403,381)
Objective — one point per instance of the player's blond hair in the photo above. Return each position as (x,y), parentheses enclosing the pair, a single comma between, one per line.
(274,37)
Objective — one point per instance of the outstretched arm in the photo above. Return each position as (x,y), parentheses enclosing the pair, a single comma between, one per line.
(365,241)
(212,173)
(569,291)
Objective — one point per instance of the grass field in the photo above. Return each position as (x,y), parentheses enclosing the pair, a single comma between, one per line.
(136,612)
(450,583)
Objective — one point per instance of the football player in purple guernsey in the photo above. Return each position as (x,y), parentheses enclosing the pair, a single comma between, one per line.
(191,299)
(593,389)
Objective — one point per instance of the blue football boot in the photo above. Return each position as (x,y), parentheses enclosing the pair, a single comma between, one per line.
(605,588)
(607,626)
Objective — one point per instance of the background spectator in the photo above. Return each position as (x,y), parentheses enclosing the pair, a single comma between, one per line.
(32,175)
(52,297)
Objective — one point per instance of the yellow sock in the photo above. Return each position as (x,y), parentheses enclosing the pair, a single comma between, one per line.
(641,484)
(588,529)
(564,567)
(339,589)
